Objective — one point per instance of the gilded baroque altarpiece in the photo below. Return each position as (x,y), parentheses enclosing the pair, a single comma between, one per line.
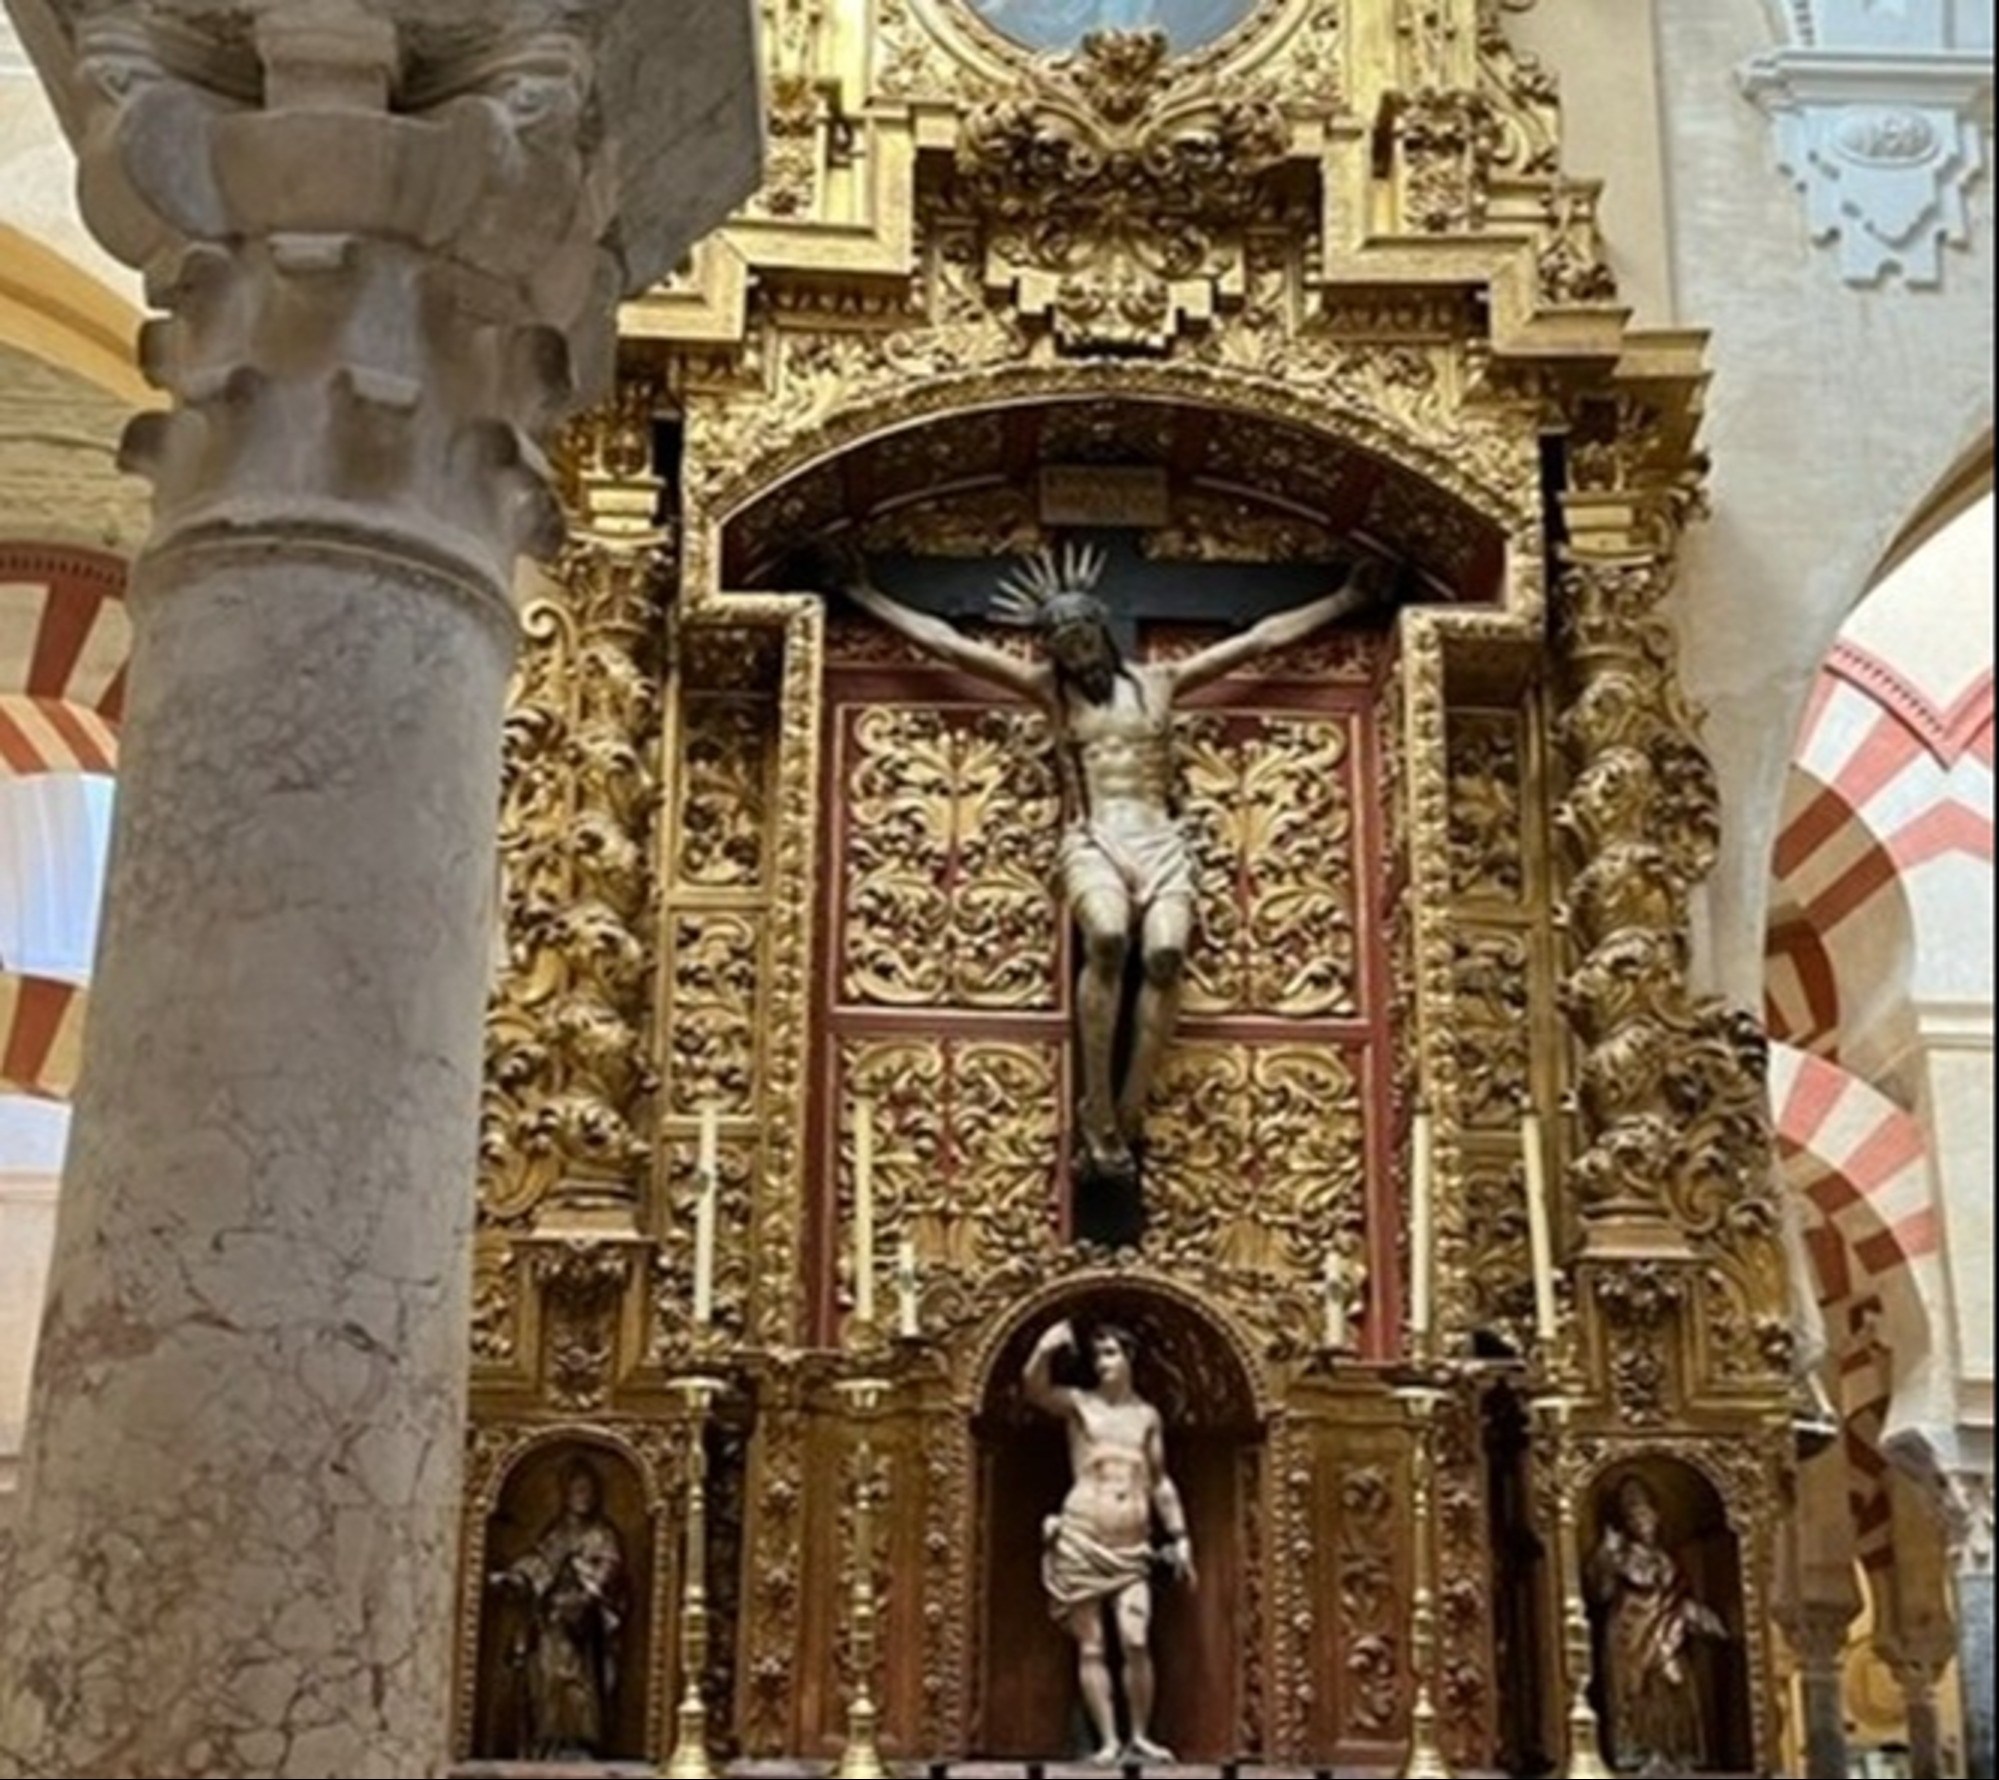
(1325,278)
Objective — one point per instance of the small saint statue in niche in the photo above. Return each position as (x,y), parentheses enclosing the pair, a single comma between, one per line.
(1654,1717)
(1127,869)
(1098,1555)
(573,1584)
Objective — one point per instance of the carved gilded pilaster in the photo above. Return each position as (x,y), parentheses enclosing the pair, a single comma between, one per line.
(1677,1158)
(1639,819)
(569,1071)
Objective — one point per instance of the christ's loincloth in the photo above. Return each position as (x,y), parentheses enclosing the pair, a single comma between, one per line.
(1144,867)
(1077,1567)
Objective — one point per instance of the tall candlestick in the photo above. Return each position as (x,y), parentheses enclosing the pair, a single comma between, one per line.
(908,1291)
(1420,1232)
(864,1211)
(1540,1238)
(708,1166)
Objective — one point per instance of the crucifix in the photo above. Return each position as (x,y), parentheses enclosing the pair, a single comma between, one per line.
(1127,870)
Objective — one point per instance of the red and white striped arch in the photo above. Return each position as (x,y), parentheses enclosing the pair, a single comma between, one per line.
(65,642)
(1858,1162)
(1861,1162)
(41,1035)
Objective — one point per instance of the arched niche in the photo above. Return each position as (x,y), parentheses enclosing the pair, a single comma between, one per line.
(1695,1535)
(1026,1702)
(527,1505)
(1191,479)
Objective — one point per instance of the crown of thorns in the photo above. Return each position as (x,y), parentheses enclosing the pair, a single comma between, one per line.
(1047,588)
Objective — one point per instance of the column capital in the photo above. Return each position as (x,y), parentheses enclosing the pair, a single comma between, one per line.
(389,236)
(1818,1631)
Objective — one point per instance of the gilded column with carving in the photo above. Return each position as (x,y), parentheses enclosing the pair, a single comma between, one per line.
(569,1075)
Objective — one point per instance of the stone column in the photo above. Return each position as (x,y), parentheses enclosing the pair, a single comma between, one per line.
(1918,1682)
(1970,1520)
(236,1547)
(1818,1632)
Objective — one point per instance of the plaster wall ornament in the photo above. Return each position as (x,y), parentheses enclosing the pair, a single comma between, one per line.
(1885,144)
(388,242)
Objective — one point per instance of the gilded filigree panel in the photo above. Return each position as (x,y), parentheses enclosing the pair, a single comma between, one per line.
(725,786)
(1268,805)
(1489,990)
(965,1152)
(1500,1282)
(1488,852)
(948,872)
(711,1023)
(1256,1155)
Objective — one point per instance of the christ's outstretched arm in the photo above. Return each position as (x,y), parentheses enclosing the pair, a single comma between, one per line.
(1031,680)
(1365,586)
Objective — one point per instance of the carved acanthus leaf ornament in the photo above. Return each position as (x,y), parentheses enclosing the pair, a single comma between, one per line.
(568,1073)
(1113,199)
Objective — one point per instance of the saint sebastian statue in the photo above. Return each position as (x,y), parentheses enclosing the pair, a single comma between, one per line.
(1126,868)
(1650,1619)
(1098,1551)
(573,1584)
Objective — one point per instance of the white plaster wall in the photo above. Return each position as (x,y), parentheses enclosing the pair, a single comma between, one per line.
(1604,55)
(1834,412)
(27,1237)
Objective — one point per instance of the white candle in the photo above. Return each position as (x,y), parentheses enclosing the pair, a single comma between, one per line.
(864,1211)
(708,1167)
(1540,1237)
(1420,1232)
(1335,1284)
(908,1306)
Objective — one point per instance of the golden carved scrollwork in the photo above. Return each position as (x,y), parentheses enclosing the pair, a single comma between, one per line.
(583,1281)
(1445,139)
(714,969)
(773,1598)
(949,869)
(1281,1124)
(1114,200)
(1628,737)
(966,1138)
(1488,835)
(1464,1589)
(1268,805)
(1672,1085)
(725,791)
(1490,1036)
(568,1062)
(1368,1599)
(1501,1281)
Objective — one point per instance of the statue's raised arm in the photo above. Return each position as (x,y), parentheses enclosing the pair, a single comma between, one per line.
(1365,586)
(1029,679)
(1038,1375)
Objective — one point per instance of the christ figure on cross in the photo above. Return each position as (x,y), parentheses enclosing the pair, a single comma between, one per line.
(1127,870)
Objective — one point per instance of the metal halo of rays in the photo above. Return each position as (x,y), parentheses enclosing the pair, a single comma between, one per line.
(1044,576)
